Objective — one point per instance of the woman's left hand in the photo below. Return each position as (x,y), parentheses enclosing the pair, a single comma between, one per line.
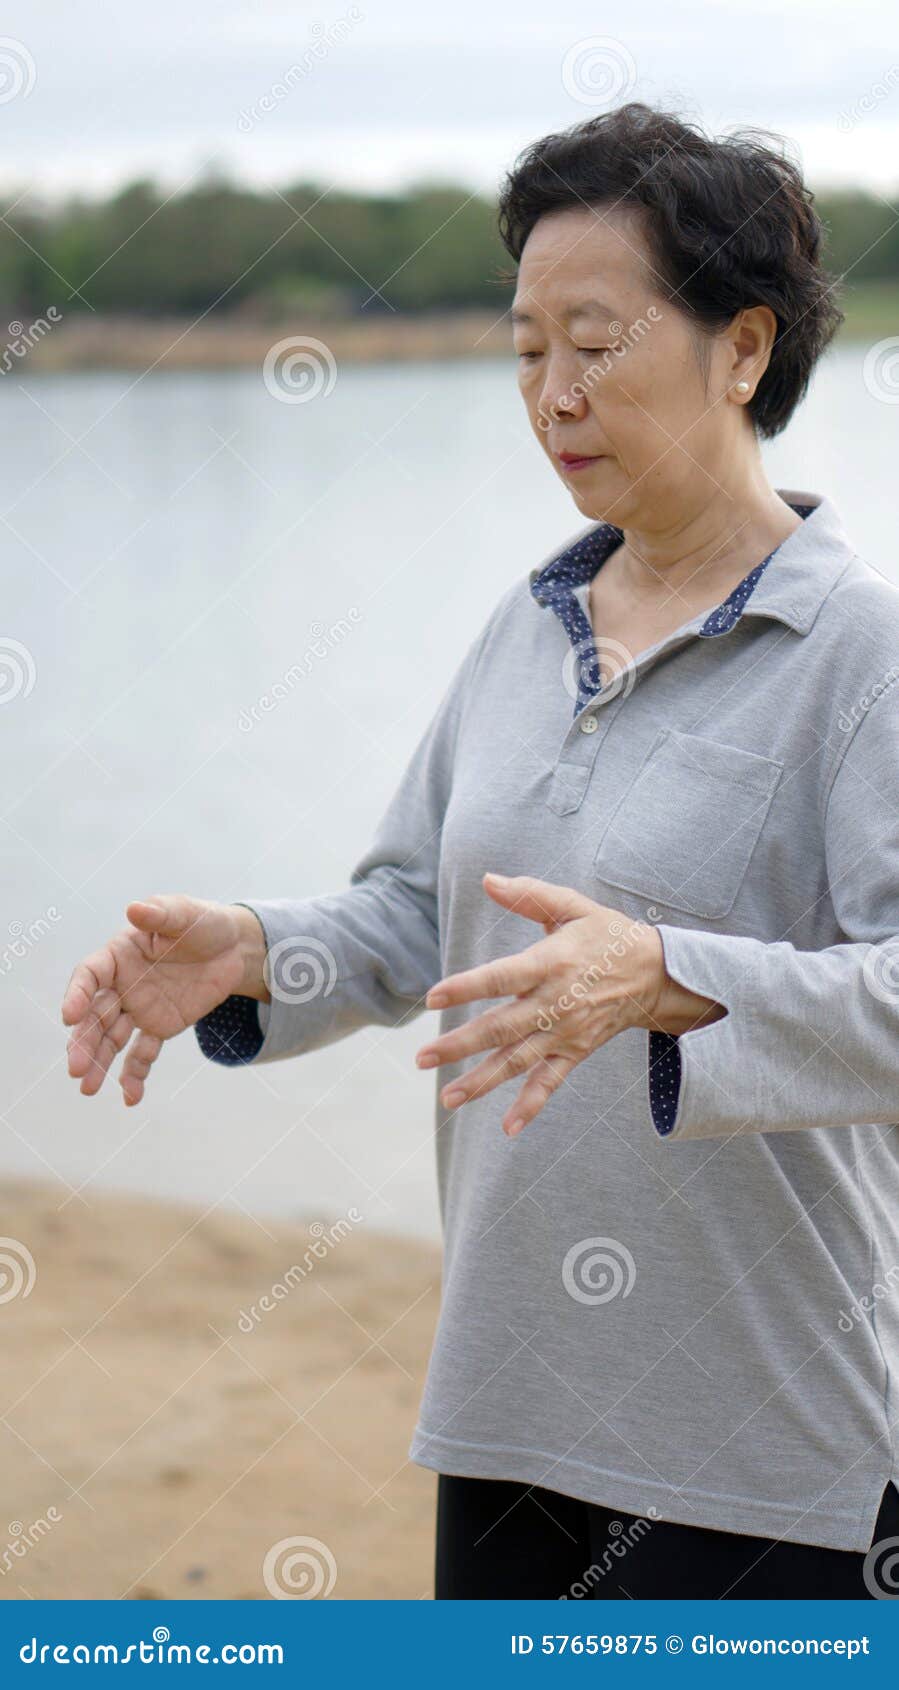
(595,973)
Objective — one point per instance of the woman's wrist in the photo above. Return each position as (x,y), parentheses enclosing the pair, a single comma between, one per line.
(252,946)
(668,1007)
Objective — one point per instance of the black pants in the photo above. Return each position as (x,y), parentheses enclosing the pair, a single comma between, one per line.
(497,1539)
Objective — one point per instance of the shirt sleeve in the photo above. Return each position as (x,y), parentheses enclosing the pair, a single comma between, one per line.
(811,1038)
(367,954)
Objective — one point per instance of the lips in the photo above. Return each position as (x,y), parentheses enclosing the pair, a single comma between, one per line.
(571,461)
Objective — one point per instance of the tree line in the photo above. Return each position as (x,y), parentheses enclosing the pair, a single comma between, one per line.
(224,247)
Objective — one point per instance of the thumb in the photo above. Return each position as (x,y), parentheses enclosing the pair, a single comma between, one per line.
(538,900)
(169,914)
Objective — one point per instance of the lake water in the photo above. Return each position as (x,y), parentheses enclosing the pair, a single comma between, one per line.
(174,546)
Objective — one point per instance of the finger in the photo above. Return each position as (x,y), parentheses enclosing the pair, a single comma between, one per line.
(109,1046)
(112,1041)
(544,1078)
(83,1044)
(538,900)
(107,1007)
(91,976)
(509,976)
(501,1065)
(169,914)
(497,1027)
(139,1059)
(84,1040)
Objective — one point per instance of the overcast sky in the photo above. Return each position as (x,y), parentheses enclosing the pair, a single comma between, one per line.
(96,92)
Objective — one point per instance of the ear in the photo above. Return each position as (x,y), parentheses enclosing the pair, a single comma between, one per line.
(752,335)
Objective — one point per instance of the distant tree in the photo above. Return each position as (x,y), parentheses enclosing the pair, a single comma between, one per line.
(218,247)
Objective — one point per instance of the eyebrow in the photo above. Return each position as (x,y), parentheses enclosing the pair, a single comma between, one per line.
(585,308)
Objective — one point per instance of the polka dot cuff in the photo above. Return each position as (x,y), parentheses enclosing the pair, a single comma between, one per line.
(231,1033)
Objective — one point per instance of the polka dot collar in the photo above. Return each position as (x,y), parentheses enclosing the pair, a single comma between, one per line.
(556,587)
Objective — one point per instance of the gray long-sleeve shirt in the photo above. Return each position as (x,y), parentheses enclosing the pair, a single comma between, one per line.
(681,1296)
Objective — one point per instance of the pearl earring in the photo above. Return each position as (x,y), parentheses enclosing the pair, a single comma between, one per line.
(742,387)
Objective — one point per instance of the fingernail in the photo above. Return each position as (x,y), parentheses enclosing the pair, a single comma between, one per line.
(452,1097)
(514,1127)
(427,1059)
(502,878)
(436,1000)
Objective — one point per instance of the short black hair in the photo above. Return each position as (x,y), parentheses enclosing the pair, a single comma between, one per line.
(729,224)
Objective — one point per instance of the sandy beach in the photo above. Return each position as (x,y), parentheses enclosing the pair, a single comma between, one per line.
(183,1394)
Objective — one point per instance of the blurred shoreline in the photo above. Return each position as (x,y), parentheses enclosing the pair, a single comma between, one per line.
(172,343)
(186,1391)
(97,342)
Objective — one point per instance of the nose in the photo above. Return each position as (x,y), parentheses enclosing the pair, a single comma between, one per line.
(562,396)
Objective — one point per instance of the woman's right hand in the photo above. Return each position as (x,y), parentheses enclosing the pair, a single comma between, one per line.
(178,958)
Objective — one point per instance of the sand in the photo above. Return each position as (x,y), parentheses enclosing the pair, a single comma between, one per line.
(232,342)
(163,1428)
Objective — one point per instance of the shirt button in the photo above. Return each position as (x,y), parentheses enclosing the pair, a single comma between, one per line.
(589,724)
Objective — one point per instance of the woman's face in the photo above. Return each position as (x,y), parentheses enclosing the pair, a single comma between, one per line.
(610,372)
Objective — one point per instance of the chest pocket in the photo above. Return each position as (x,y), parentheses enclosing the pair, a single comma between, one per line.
(687,825)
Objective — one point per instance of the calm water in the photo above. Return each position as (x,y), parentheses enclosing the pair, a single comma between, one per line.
(174,546)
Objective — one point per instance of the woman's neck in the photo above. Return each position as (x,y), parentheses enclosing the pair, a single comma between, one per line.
(640,596)
(697,560)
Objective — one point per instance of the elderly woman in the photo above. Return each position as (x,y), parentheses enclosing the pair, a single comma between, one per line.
(667,1361)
